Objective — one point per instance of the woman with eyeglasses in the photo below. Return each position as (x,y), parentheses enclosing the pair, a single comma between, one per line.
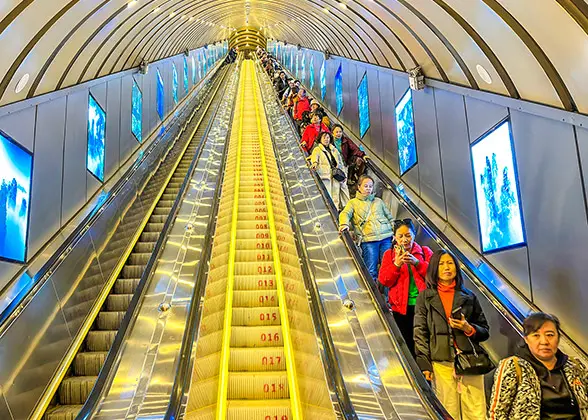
(403,271)
(372,223)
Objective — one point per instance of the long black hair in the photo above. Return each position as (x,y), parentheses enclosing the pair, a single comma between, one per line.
(433,271)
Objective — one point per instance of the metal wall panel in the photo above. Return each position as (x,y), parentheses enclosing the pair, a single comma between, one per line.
(113,127)
(21,126)
(4,411)
(45,218)
(514,265)
(99,92)
(128,143)
(430,176)
(456,165)
(582,140)
(555,217)
(482,116)
(387,101)
(373,136)
(74,155)
(349,112)
(92,185)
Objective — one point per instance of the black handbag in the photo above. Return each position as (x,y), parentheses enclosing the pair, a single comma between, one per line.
(474,363)
(336,173)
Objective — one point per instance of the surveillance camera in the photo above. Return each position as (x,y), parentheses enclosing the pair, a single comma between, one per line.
(143,67)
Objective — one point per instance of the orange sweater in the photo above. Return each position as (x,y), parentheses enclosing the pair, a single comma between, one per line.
(446,293)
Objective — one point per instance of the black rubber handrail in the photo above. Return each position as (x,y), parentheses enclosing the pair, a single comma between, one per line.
(321,322)
(184,369)
(106,372)
(27,293)
(417,380)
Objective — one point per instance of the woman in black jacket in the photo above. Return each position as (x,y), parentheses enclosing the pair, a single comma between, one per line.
(448,317)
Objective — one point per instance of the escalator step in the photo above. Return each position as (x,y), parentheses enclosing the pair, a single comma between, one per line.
(139,258)
(257,359)
(258,385)
(154,227)
(250,317)
(100,340)
(117,303)
(89,363)
(259,409)
(144,246)
(76,389)
(254,298)
(63,412)
(124,286)
(269,336)
(158,218)
(133,271)
(110,320)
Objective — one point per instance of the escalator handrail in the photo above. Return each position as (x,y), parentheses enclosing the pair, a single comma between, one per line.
(321,321)
(106,372)
(25,295)
(418,381)
(183,370)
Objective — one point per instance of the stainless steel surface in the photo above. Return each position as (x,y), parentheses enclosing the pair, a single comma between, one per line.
(37,339)
(374,375)
(145,367)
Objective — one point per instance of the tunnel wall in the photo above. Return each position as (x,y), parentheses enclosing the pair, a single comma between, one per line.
(551,153)
(54,128)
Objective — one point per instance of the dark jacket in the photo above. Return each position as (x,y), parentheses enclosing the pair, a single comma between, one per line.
(350,151)
(281,86)
(398,279)
(432,337)
(535,393)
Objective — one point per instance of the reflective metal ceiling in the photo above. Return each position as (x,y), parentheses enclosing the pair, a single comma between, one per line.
(533,49)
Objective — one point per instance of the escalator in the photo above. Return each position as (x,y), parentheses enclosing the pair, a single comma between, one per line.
(256,354)
(83,372)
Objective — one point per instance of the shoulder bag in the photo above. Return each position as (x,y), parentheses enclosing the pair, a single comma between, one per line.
(474,363)
(336,173)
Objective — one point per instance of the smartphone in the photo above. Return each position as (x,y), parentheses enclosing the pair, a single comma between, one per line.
(398,249)
(456,313)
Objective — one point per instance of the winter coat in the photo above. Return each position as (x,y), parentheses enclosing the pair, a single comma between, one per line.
(398,279)
(518,395)
(281,86)
(323,163)
(432,337)
(310,134)
(301,106)
(373,225)
(350,151)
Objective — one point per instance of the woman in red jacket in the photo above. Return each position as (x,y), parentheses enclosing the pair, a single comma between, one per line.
(311,132)
(403,270)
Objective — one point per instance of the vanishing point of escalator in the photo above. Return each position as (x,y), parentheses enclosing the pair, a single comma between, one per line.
(254,307)
(83,373)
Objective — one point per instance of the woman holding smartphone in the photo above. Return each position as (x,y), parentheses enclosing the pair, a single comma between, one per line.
(449,318)
(403,270)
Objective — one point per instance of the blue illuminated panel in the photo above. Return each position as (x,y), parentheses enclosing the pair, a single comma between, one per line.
(407,153)
(186,83)
(137,113)
(194,71)
(160,96)
(16,169)
(175,83)
(323,77)
(96,136)
(311,72)
(363,105)
(339,89)
(500,217)
(303,69)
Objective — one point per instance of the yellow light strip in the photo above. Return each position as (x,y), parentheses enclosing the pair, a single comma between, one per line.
(223,383)
(296,407)
(68,358)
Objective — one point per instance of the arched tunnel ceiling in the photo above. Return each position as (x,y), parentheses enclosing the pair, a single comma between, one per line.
(531,49)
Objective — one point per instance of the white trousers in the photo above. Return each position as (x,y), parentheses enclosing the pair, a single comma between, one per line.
(338,191)
(463,397)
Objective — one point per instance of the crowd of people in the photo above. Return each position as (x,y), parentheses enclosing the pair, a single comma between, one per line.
(441,321)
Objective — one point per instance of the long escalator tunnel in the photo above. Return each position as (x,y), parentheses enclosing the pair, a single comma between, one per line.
(83,372)
(257,355)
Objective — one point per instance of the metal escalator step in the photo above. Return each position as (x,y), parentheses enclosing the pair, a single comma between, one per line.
(165,203)
(144,246)
(115,303)
(256,316)
(161,211)
(153,227)
(100,340)
(254,298)
(63,412)
(257,359)
(132,271)
(158,218)
(254,255)
(168,196)
(139,258)
(258,385)
(260,409)
(268,336)
(89,363)
(124,286)
(76,389)
(110,320)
